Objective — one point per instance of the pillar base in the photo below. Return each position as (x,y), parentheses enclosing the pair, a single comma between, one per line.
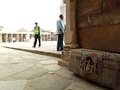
(66,53)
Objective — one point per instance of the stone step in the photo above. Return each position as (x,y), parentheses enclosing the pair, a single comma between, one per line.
(37,52)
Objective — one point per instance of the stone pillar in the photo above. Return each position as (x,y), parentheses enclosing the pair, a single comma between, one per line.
(28,36)
(21,37)
(11,38)
(71,33)
(0,37)
(43,37)
(16,37)
(71,40)
(6,37)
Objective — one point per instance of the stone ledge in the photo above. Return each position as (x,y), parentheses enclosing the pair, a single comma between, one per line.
(38,52)
(98,66)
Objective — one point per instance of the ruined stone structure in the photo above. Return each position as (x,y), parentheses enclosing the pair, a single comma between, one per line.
(25,36)
(93,24)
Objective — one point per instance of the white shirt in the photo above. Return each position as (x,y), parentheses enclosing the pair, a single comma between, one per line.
(59,25)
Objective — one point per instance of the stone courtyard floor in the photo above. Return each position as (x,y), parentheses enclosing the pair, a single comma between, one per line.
(20,70)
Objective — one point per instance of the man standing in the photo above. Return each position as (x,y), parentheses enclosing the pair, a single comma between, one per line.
(37,35)
(60,33)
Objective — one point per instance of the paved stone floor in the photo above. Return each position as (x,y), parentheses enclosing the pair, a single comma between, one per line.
(21,70)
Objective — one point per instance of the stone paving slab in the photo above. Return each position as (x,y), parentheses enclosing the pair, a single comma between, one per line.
(64,72)
(8,71)
(52,68)
(50,82)
(83,84)
(13,85)
(31,73)
(21,70)
(47,62)
(47,47)
(29,88)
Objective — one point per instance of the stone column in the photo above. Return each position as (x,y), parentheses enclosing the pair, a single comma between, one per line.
(6,37)
(71,33)
(21,37)
(27,39)
(16,37)
(11,38)
(43,37)
(71,40)
(0,37)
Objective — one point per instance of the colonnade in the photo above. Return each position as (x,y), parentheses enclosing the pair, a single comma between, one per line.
(24,36)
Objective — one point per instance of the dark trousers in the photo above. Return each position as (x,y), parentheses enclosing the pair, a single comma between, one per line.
(37,36)
(60,42)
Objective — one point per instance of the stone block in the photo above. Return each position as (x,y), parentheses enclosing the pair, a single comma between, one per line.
(63,63)
(109,5)
(85,7)
(98,66)
(105,38)
(66,55)
(100,19)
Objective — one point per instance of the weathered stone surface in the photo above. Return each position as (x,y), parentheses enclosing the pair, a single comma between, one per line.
(48,62)
(13,85)
(50,82)
(66,54)
(109,5)
(85,7)
(64,72)
(81,84)
(8,71)
(98,66)
(104,38)
(31,73)
(52,68)
(29,88)
(101,19)
(63,63)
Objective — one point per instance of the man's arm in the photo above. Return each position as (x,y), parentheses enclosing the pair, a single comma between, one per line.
(61,31)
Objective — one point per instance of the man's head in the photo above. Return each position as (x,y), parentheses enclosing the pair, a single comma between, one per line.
(36,23)
(61,16)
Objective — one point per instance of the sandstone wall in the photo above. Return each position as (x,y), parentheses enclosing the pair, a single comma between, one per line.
(98,24)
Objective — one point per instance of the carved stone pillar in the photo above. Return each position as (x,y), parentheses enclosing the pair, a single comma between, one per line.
(71,33)
(71,40)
